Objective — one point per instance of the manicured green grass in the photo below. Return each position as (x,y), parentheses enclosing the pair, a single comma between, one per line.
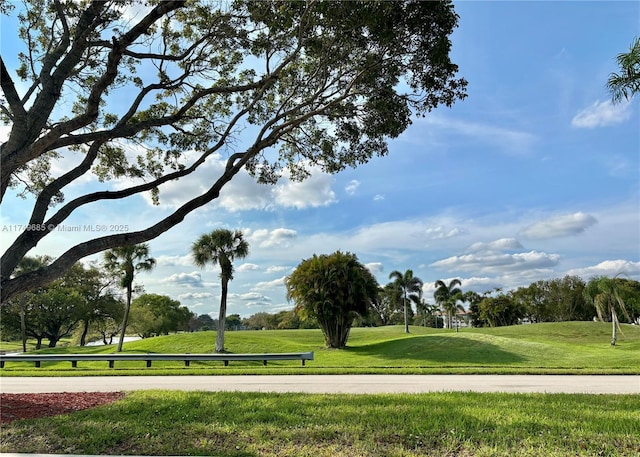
(259,424)
(569,347)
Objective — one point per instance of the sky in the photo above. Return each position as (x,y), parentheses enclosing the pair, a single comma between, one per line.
(535,175)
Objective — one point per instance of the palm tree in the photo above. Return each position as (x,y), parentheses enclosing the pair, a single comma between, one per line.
(124,261)
(447,296)
(603,293)
(411,287)
(221,246)
(627,83)
(332,289)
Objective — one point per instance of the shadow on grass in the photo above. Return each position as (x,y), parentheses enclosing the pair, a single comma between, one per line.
(439,349)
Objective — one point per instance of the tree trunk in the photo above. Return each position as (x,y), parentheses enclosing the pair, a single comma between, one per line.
(406,316)
(614,325)
(126,318)
(23,326)
(38,342)
(222,316)
(85,331)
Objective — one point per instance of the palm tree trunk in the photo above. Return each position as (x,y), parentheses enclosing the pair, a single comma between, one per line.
(614,324)
(406,316)
(222,316)
(125,319)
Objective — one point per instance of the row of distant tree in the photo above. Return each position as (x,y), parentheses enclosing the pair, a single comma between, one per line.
(555,300)
(325,293)
(87,303)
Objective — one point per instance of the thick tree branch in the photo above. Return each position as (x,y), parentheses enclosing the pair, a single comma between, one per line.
(11,287)
(15,152)
(18,113)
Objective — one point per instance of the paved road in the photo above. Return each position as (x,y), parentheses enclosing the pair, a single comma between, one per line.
(358,384)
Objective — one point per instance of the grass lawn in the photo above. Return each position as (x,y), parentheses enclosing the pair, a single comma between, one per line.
(442,424)
(568,347)
(259,424)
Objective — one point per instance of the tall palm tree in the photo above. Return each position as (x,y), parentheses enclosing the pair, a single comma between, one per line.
(627,83)
(411,287)
(125,261)
(447,296)
(603,293)
(221,246)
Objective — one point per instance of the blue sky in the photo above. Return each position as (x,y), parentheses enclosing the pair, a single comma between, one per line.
(535,175)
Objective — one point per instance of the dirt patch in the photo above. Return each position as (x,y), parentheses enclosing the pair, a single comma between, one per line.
(30,406)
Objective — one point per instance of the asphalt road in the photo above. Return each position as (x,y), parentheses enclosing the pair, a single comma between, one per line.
(353,384)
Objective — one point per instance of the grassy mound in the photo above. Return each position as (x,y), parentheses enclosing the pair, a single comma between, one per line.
(567,347)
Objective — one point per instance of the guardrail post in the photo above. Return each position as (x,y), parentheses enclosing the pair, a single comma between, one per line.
(111,363)
(74,364)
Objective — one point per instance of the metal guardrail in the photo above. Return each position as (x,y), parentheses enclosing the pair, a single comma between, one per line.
(37,359)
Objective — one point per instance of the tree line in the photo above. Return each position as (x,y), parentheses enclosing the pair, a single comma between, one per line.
(88,297)
(331,292)
(86,304)
(337,291)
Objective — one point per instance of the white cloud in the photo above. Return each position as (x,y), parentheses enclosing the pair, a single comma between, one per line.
(280,237)
(312,192)
(601,114)
(491,263)
(192,279)
(378,197)
(608,268)
(440,232)
(251,296)
(269,285)
(253,304)
(248,267)
(503,244)
(174,260)
(559,226)
(352,186)
(277,269)
(243,193)
(375,267)
(195,296)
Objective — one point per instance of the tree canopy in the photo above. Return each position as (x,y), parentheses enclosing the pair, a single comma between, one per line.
(147,98)
(626,83)
(332,289)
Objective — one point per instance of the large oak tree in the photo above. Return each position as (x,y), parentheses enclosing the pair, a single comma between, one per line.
(147,98)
